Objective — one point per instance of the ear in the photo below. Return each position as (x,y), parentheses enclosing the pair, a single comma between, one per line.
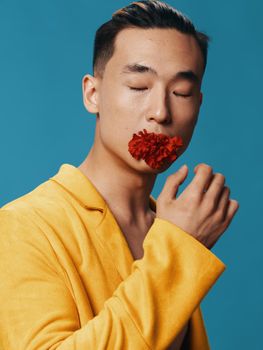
(201,98)
(90,93)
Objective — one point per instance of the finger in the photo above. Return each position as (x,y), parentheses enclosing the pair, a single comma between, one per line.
(173,182)
(231,210)
(216,186)
(223,202)
(202,179)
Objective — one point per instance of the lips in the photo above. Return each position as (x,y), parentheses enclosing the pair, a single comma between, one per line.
(155,149)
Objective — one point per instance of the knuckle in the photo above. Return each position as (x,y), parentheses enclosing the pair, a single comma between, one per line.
(218,185)
(203,166)
(231,212)
(220,177)
(220,216)
(209,172)
(207,167)
(227,189)
(226,192)
(235,204)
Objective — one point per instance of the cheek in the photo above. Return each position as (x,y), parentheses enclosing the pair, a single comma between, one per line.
(184,122)
(118,111)
(185,114)
(115,103)
(127,102)
(116,124)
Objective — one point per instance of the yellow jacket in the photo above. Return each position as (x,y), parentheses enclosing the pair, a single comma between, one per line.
(68,280)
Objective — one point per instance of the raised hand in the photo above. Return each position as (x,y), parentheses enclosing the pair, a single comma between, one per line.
(203,209)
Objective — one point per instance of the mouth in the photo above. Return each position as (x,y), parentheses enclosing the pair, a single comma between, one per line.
(156,149)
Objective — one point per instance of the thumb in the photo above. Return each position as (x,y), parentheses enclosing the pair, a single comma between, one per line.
(173,182)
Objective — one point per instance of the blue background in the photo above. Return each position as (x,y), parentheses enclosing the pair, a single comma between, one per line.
(46,48)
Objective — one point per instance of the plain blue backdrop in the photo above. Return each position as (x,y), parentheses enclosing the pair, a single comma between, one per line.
(45,49)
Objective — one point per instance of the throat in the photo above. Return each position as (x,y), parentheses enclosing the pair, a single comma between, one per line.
(135,236)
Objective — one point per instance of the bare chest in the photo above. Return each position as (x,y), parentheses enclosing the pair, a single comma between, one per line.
(135,245)
(134,237)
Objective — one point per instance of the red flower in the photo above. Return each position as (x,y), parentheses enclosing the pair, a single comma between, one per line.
(155,149)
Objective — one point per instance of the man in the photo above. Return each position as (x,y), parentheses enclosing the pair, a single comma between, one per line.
(89,260)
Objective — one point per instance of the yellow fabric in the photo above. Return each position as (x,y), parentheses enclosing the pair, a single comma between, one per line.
(69,281)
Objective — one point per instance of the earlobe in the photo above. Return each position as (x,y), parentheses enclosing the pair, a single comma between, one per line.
(89,92)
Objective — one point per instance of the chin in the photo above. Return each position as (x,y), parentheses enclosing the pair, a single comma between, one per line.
(142,166)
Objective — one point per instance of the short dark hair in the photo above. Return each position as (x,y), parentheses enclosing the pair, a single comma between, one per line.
(143,14)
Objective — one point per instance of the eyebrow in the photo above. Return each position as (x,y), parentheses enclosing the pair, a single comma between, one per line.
(138,68)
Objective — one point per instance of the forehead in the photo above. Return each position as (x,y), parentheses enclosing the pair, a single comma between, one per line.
(165,49)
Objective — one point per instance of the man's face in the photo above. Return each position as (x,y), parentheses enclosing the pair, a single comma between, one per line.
(131,98)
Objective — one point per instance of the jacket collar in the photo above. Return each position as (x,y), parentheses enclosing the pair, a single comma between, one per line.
(74,181)
(108,230)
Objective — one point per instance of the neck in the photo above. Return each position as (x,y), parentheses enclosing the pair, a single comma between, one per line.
(125,191)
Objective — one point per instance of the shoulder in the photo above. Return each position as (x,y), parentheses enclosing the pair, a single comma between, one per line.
(47,203)
(25,232)
(27,218)
(49,217)
(45,194)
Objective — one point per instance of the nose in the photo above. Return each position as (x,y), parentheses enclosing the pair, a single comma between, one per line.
(159,108)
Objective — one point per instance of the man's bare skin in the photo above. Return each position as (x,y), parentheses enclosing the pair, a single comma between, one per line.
(159,106)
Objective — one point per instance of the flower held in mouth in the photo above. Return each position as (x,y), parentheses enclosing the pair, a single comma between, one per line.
(155,149)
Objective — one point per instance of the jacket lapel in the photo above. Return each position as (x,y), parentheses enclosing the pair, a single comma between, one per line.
(107,230)
(114,240)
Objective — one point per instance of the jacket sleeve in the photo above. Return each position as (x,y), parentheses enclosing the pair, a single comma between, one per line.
(146,310)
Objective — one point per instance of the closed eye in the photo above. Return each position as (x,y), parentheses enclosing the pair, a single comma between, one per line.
(145,88)
(137,89)
(183,95)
